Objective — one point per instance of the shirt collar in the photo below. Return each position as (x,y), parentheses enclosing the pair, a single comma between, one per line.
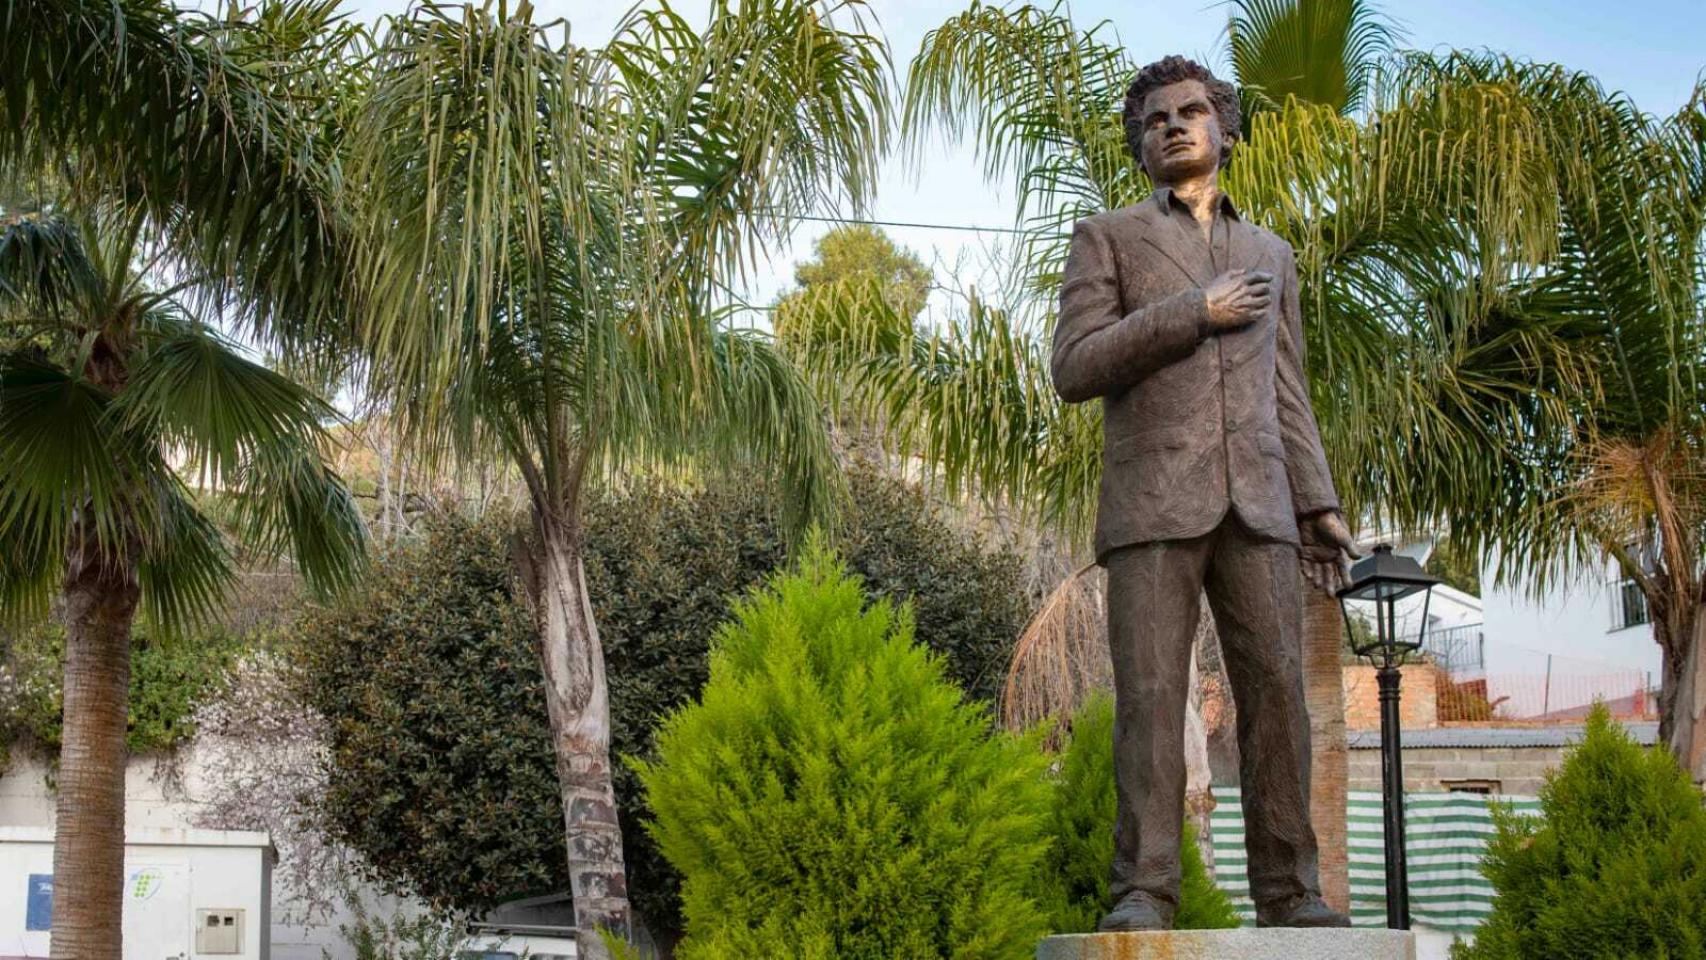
(1167,202)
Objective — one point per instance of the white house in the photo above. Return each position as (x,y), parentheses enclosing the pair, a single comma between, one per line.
(1585,638)
(1547,654)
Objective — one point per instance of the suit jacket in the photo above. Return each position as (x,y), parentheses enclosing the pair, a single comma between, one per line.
(1193,424)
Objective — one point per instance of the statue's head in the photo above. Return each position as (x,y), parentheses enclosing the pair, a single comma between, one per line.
(1180,121)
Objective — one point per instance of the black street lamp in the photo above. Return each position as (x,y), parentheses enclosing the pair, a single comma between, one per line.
(1383,578)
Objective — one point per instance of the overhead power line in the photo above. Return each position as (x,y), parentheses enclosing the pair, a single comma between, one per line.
(970,228)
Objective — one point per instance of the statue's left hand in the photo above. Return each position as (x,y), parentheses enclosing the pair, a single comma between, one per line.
(1327,550)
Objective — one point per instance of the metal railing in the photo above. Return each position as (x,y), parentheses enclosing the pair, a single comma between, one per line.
(1456,649)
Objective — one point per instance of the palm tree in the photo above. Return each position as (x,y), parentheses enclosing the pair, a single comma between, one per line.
(171,138)
(1322,52)
(1471,262)
(110,393)
(546,229)
(1058,90)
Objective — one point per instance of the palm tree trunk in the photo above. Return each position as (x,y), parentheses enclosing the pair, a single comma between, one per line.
(1682,697)
(1324,693)
(577,698)
(101,595)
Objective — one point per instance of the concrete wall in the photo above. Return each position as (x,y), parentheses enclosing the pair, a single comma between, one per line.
(1520,771)
(1517,757)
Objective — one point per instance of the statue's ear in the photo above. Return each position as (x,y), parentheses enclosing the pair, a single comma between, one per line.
(1228,145)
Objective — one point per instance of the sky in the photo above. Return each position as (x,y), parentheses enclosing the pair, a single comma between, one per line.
(1648,49)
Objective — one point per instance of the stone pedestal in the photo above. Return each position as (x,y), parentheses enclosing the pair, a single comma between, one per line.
(1242,944)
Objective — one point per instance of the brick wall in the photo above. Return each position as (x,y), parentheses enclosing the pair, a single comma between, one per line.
(1418,707)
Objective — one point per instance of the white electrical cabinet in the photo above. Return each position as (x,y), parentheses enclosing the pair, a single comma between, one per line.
(187,893)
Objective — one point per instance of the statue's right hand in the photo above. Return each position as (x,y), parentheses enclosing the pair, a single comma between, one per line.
(1238,298)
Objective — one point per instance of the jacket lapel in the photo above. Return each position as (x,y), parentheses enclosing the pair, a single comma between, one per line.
(1169,236)
(1244,249)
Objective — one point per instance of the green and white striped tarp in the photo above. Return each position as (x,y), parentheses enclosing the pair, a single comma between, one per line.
(1445,835)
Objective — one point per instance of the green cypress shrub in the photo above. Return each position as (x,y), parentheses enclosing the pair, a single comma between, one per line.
(1082,827)
(1615,867)
(833,795)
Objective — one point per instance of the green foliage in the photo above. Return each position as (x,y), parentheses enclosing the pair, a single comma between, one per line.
(1082,825)
(425,936)
(968,600)
(862,251)
(833,795)
(1457,563)
(1319,51)
(1615,867)
(82,441)
(441,772)
(169,676)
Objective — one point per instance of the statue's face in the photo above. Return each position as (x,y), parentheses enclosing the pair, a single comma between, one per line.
(1181,134)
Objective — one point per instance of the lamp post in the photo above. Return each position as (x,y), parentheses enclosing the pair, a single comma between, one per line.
(1383,578)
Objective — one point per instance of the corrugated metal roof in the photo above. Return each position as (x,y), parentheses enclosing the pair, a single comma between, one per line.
(1445,738)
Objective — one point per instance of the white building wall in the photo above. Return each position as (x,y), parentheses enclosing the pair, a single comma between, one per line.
(171,874)
(1566,633)
(162,796)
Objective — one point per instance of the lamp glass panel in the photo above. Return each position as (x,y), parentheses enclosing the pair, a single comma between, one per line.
(1381,590)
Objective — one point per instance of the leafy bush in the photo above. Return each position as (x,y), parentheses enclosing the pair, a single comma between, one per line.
(404,936)
(168,676)
(1615,867)
(441,773)
(834,796)
(1082,825)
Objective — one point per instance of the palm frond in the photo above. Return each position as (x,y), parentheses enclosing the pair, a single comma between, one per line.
(32,565)
(761,411)
(185,564)
(45,272)
(65,463)
(1040,100)
(775,109)
(176,112)
(972,399)
(192,390)
(1318,51)
(290,504)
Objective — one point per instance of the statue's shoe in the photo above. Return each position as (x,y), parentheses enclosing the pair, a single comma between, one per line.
(1135,912)
(1304,910)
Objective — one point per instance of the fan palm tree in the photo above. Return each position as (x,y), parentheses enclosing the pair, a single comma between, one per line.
(546,230)
(171,138)
(111,393)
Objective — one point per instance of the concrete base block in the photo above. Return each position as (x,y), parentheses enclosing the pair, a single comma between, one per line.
(1242,944)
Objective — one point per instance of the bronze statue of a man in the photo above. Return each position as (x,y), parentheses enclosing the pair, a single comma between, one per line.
(1183,318)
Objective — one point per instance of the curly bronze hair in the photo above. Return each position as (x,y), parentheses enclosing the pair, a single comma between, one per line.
(1222,96)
